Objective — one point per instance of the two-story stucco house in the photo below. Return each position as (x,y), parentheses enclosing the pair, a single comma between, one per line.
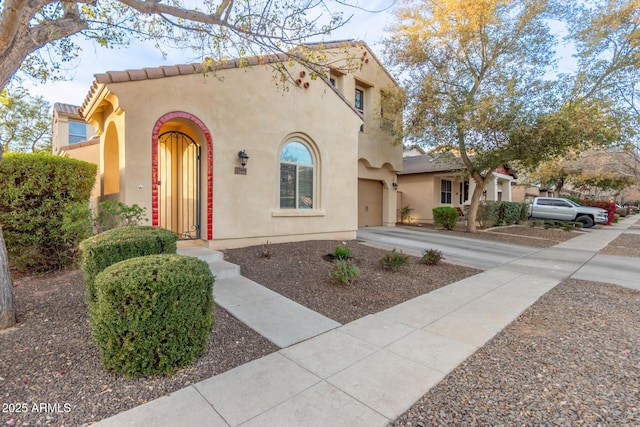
(228,158)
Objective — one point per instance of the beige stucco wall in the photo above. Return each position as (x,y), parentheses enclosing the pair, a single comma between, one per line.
(418,192)
(380,157)
(243,109)
(88,151)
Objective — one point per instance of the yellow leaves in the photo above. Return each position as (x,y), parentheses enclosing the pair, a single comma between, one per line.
(448,16)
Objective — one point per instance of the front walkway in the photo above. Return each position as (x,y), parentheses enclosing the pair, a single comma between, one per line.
(368,372)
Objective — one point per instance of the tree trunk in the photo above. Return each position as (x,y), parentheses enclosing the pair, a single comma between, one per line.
(475,202)
(7,302)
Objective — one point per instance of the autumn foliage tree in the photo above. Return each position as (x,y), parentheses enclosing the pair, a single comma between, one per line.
(473,69)
(480,79)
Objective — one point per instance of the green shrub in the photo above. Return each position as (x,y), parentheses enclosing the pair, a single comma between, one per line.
(394,260)
(447,216)
(492,213)
(488,213)
(524,213)
(119,244)
(344,271)
(510,212)
(113,214)
(44,209)
(152,314)
(432,257)
(342,252)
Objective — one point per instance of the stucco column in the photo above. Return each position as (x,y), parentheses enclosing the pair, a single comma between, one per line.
(506,190)
(492,189)
(389,204)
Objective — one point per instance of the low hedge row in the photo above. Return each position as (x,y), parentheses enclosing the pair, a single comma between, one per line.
(119,244)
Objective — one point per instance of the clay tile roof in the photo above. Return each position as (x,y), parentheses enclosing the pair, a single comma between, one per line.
(137,75)
(154,73)
(119,76)
(170,70)
(185,68)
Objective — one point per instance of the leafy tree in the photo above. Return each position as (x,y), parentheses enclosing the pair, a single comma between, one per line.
(593,171)
(474,68)
(25,123)
(35,37)
(7,304)
(478,80)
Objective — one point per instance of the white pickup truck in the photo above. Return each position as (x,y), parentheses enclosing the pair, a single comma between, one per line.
(560,209)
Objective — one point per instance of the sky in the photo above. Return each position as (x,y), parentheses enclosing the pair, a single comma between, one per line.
(368,27)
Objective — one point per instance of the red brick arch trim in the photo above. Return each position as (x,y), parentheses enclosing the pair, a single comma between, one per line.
(154,166)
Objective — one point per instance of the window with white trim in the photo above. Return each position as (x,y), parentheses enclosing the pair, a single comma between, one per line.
(77,132)
(296,177)
(445,191)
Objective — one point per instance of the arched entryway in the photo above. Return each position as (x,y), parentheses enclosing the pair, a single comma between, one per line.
(179,184)
(182,175)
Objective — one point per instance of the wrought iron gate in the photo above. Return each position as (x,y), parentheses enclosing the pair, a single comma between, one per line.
(179,184)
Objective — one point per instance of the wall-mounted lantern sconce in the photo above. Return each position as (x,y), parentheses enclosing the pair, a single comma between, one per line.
(244,157)
(394,185)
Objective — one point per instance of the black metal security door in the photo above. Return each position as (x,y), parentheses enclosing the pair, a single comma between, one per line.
(179,184)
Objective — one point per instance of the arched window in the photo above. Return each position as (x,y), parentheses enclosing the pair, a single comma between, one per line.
(296,177)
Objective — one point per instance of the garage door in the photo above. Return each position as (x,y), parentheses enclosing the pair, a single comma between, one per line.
(369,203)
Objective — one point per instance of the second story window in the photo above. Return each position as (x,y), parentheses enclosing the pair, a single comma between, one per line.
(77,132)
(359,100)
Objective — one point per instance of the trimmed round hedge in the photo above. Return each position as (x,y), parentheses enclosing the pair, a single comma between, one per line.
(118,244)
(152,314)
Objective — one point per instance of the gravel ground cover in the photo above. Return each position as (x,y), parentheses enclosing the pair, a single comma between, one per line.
(50,370)
(572,359)
(50,358)
(301,272)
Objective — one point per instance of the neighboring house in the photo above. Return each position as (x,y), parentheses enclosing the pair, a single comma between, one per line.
(526,193)
(319,156)
(431,180)
(73,137)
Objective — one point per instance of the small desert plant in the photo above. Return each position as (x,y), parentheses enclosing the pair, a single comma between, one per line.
(345,272)
(342,252)
(266,250)
(394,260)
(432,257)
(447,216)
(405,214)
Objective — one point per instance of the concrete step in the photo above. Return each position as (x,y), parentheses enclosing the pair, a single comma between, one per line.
(199,252)
(224,270)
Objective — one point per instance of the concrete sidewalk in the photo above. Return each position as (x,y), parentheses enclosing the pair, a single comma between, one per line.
(368,372)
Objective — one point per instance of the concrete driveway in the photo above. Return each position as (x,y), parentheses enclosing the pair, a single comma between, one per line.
(471,252)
